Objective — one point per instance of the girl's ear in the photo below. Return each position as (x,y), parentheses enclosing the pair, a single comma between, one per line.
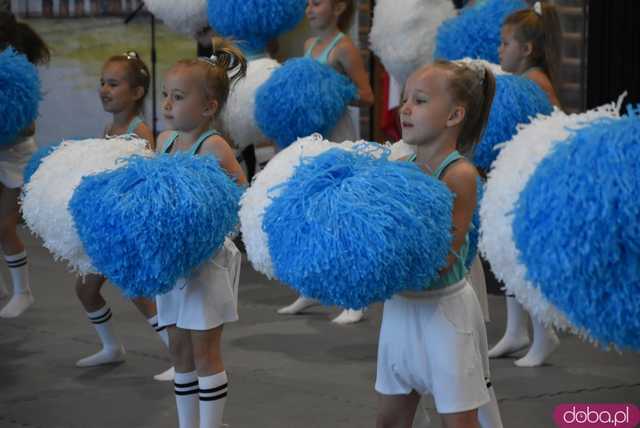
(211,109)
(527,48)
(339,7)
(457,116)
(138,93)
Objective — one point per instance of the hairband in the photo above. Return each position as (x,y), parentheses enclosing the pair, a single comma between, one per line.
(537,8)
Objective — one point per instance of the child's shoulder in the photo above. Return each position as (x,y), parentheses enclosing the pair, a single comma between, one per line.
(162,139)
(541,78)
(215,144)
(460,174)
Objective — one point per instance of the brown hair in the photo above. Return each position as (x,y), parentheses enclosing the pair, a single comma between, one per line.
(137,73)
(543,32)
(226,66)
(476,94)
(23,39)
(345,18)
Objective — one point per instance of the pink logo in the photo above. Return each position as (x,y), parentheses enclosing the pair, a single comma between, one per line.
(581,415)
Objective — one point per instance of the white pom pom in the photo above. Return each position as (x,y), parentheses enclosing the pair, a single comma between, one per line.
(46,197)
(238,114)
(495,68)
(403,34)
(511,171)
(257,198)
(184,16)
(400,150)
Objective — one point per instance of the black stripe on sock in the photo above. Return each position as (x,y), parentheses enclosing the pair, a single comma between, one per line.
(510,295)
(17,263)
(159,329)
(154,325)
(212,390)
(190,392)
(104,320)
(185,385)
(99,317)
(489,385)
(214,398)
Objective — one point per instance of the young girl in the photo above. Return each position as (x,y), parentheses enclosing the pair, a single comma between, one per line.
(443,348)
(13,159)
(195,311)
(124,84)
(329,19)
(529,48)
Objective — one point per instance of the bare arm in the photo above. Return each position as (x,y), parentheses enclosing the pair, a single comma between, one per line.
(460,178)
(544,83)
(143,131)
(217,146)
(350,60)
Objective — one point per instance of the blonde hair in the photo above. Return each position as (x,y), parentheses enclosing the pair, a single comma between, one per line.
(475,93)
(224,68)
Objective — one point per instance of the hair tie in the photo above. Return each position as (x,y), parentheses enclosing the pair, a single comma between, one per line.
(212,60)
(537,8)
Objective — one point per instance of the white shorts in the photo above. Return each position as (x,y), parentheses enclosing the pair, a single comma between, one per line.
(206,299)
(13,160)
(479,285)
(435,345)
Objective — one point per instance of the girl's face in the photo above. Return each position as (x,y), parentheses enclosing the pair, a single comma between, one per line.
(185,106)
(427,108)
(513,54)
(116,93)
(322,13)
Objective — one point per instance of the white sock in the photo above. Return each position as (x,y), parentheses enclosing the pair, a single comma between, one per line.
(516,336)
(186,390)
(22,297)
(213,396)
(169,374)
(349,316)
(162,331)
(489,414)
(545,341)
(299,305)
(112,351)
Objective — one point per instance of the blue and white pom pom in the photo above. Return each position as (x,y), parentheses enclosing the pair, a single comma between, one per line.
(516,101)
(301,98)
(475,33)
(46,196)
(238,115)
(577,230)
(511,171)
(19,95)
(403,33)
(253,23)
(347,226)
(36,160)
(185,16)
(155,220)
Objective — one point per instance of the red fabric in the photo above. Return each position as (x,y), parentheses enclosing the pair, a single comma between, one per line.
(389,122)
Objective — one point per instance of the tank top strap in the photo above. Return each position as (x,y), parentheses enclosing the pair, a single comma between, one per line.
(134,124)
(169,142)
(309,52)
(201,139)
(451,158)
(324,56)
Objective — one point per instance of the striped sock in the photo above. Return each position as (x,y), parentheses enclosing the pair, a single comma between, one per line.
(22,297)
(112,351)
(186,390)
(213,396)
(162,331)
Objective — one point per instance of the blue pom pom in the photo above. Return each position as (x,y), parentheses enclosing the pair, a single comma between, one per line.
(474,232)
(154,220)
(350,230)
(253,23)
(300,98)
(36,160)
(475,33)
(19,94)
(576,227)
(516,101)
